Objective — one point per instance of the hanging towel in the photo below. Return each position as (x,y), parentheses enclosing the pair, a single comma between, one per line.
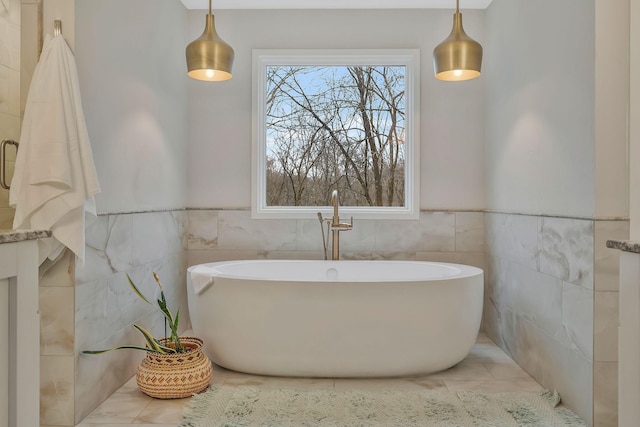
(202,277)
(55,178)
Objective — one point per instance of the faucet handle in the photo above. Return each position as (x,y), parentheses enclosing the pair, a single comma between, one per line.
(344,226)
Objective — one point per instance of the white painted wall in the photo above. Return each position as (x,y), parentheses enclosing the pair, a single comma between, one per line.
(540,107)
(64,10)
(628,343)
(557,107)
(452,116)
(133,83)
(634,122)
(612,108)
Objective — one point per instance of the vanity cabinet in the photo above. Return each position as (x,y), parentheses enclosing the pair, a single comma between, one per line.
(19,329)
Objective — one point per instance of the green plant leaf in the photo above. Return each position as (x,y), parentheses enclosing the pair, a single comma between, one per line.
(174,333)
(162,303)
(137,292)
(165,348)
(133,347)
(152,343)
(163,307)
(175,322)
(164,300)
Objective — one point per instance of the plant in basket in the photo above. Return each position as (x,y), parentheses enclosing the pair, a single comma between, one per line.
(174,367)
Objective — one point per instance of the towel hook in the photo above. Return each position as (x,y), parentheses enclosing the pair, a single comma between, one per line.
(57,27)
(3,161)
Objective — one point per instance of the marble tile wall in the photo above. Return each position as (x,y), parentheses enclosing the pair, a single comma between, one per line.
(135,244)
(551,303)
(551,290)
(57,330)
(90,306)
(9,93)
(218,235)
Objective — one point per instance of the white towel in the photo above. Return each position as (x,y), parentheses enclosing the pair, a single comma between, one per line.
(55,177)
(201,278)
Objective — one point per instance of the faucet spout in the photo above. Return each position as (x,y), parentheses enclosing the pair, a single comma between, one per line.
(336,226)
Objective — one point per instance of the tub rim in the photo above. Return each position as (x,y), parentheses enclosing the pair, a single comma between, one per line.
(462,270)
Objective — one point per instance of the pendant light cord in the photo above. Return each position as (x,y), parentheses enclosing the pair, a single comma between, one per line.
(210,7)
(457,5)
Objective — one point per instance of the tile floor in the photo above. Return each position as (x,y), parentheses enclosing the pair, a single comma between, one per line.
(487,368)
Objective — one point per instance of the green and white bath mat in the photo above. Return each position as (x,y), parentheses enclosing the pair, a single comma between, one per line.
(248,406)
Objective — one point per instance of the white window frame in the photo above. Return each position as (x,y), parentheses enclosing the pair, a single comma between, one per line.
(410,58)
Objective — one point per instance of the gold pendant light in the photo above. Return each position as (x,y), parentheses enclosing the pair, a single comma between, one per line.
(458,57)
(209,57)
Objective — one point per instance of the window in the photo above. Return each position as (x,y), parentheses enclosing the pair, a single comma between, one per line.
(336,120)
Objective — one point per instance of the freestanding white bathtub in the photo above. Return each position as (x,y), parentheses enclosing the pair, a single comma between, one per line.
(335,318)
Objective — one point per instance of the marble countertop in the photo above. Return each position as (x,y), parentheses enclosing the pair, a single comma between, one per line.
(12,236)
(624,245)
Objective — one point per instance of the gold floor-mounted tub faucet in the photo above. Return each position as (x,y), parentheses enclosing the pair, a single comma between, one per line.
(335,226)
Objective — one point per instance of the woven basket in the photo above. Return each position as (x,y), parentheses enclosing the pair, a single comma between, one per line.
(174,376)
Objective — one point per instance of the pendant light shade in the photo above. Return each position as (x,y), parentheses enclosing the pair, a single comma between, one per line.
(458,57)
(209,57)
